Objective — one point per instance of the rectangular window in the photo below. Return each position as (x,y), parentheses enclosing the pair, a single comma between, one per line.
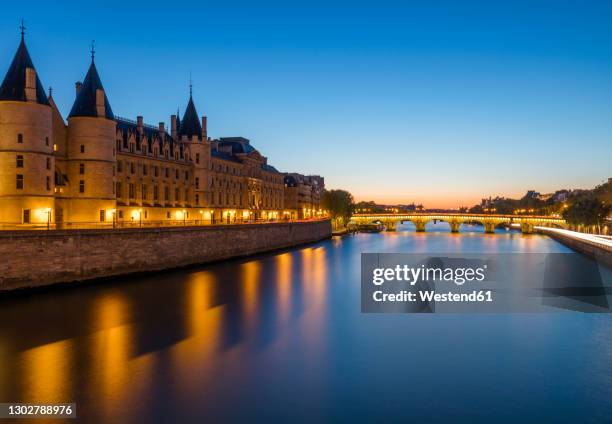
(102,215)
(48,163)
(146,214)
(186,175)
(167,172)
(121,214)
(168,215)
(131,191)
(26,216)
(46,141)
(20,140)
(197,183)
(197,158)
(82,148)
(48,183)
(19,161)
(54,147)
(82,186)
(81,168)
(187,195)
(155,193)
(144,192)
(176,194)
(145,169)
(166,193)
(120,166)
(119,194)
(176,174)
(132,169)
(19,182)
(197,199)
(156,171)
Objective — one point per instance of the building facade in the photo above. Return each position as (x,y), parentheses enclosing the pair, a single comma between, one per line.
(99,168)
(303,195)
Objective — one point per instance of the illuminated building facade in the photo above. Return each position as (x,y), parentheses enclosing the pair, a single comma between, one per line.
(98,168)
(303,195)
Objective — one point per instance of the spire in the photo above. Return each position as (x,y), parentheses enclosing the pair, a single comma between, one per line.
(190,124)
(14,85)
(86,101)
(93,49)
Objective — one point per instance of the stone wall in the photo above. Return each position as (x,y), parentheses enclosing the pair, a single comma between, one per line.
(38,258)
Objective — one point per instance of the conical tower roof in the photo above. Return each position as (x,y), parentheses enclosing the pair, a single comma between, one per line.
(13,86)
(85,103)
(190,124)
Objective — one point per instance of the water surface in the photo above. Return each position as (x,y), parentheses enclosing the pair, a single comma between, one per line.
(282,336)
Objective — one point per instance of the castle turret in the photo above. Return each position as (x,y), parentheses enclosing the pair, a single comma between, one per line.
(91,152)
(190,132)
(26,145)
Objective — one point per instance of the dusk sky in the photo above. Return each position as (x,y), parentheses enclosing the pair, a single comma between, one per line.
(435,102)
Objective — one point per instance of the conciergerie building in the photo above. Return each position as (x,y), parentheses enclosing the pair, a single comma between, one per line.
(100,168)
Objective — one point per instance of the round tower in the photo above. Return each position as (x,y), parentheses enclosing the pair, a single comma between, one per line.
(26,146)
(91,153)
(194,135)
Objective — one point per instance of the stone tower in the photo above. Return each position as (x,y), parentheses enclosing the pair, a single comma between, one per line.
(91,152)
(26,145)
(194,135)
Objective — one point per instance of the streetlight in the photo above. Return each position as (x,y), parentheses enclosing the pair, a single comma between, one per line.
(48,210)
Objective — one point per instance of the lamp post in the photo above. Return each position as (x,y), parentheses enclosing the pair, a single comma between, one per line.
(48,210)
(140,217)
(113,213)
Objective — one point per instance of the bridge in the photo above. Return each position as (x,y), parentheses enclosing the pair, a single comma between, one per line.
(489,221)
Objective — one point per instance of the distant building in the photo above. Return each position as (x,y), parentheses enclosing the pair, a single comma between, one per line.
(303,195)
(101,168)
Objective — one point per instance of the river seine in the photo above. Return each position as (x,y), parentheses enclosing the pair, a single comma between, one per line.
(281,336)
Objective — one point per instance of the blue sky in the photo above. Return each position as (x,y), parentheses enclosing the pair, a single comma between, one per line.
(440,102)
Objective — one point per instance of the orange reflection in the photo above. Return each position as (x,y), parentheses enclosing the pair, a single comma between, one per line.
(192,357)
(283,264)
(111,348)
(251,273)
(46,373)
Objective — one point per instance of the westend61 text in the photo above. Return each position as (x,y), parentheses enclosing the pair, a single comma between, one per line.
(432,296)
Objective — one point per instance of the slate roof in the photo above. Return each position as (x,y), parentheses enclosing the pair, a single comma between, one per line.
(85,103)
(190,124)
(149,133)
(13,86)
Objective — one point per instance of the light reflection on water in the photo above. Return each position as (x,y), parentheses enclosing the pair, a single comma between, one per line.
(282,334)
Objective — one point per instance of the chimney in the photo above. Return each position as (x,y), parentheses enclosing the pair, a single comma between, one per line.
(173,126)
(77,86)
(100,104)
(139,122)
(162,127)
(204,129)
(30,85)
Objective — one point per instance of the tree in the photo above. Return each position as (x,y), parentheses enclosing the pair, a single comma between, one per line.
(587,211)
(339,204)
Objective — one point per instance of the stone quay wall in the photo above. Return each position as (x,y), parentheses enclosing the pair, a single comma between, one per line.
(39,258)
